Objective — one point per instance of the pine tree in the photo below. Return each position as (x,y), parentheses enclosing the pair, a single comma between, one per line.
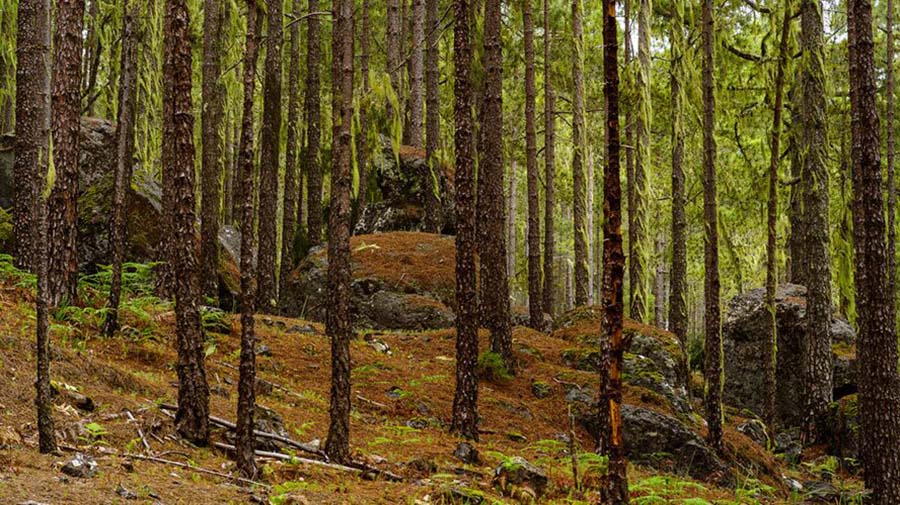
(433,213)
(879,384)
(535,311)
(712,369)
(313,115)
(465,400)
(291,191)
(579,181)
(62,210)
(614,488)
(246,408)
(124,161)
(212,113)
(32,126)
(892,189)
(362,147)
(338,325)
(417,73)
(642,118)
(192,418)
(549,172)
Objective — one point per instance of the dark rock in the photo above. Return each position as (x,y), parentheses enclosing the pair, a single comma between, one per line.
(81,467)
(263,350)
(519,472)
(755,430)
(403,179)
(378,345)
(540,389)
(744,333)
(423,465)
(304,329)
(78,400)
(845,429)
(466,453)
(126,493)
(394,392)
(788,445)
(820,492)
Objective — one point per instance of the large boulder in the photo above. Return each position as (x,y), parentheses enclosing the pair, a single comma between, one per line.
(744,333)
(401,280)
(403,180)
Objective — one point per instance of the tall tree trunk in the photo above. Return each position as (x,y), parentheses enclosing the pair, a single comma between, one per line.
(535,310)
(769,356)
(659,281)
(228,176)
(614,489)
(629,156)
(92,51)
(192,418)
(643,118)
(124,162)
(212,112)
(394,43)
(433,213)
(62,211)
(32,127)
(289,213)
(30,170)
(246,408)
(416,82)
(465,399)
(337,324)
(578,176)
(237,197)
(362,144)
(712,369)
(494,275)
(798,261)
(549,172)
(891,183)
(814,179)
(678,314)
(313,114)
(879,384)
(270,146)
(511,215)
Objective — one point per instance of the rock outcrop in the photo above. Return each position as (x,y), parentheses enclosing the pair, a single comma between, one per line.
(744,334)
(402,180)
(401,280)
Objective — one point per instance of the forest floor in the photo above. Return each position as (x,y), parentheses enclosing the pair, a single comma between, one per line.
(401,407)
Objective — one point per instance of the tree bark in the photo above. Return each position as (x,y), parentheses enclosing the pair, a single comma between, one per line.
(32,127)
(192,418)
(579,180)
(712,369)
(246,409)
(62,210)
(879,385)
(494,274)
(212,112)
(362,144)
(769,357)
(892,189)
(338,325)
(313,115)
(629,155)
(549,174)
(291,191)
(393,43)
(614,488)
(269,162)
(678,314)
(124,162)
(535,310)
(643,118)
(433,214)
(416,84)
(465,399)
(511,215)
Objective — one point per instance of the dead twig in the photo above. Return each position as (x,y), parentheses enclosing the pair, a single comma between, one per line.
(197,469)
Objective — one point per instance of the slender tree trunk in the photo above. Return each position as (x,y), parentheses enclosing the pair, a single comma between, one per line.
(270,146)
(465,400)
(511,215)
(337,324)
(92,51)
(237,194)
(713,360)
(289,213)
(629,156)
(589,225)
(614,489)
(678,314)
(549,171)
(578,176)
(362,144)
(30,169)
(192,418)
(798,263)
(313,116)
(416,83)
(246,409)
(643,118)
(535,310)
(494,274)
(891,183)
(433,213)
(212,112)
(393,43)
(228,176)
(879,384)
(62,211)
(124,162)
(659,281)
(814,180)
(769,357)
(32,127)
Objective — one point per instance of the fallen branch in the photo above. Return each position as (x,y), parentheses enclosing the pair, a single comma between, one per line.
(197,469)
(262,434)
(371,402)
(274,384)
